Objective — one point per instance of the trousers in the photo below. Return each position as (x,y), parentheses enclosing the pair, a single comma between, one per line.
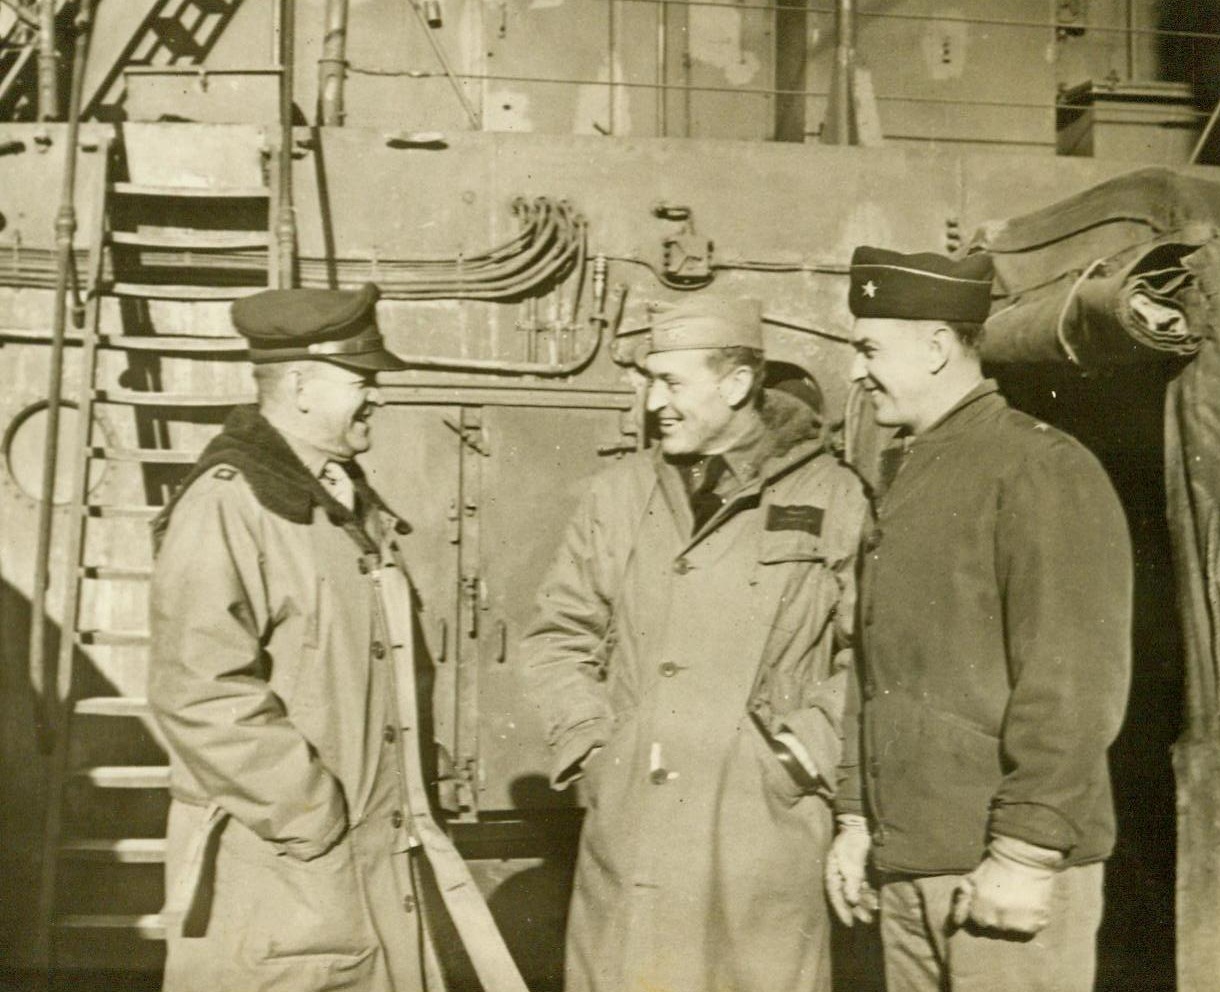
(926,952)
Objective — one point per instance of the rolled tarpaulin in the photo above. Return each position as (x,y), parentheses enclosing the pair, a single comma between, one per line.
(1137,305)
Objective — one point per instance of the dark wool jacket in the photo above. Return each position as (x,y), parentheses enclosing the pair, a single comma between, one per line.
(995,627)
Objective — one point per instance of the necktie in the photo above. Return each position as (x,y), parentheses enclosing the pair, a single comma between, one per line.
(338,483)
(703,499)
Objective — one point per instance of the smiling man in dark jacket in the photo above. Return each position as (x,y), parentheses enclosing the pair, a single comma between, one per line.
(995,613)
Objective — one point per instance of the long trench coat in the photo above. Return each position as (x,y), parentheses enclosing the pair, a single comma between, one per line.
(700,859)
(272,685)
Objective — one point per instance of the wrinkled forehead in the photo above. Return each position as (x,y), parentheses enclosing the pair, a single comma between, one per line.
(891,330)
(686,362)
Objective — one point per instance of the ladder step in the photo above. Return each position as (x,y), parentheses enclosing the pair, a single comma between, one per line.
(111,706)
(192,239)
(150,926)
(146,456)
(148,398)
(116,512)
(115,573)
(173,343)
(113,638)
(165,291)
(214,6)
(124,850)
(193,192)
(127,776)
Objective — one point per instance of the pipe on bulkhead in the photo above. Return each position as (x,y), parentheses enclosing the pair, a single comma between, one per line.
(332,66)
(285,227)
(46,680)
(838,128)
(48,63)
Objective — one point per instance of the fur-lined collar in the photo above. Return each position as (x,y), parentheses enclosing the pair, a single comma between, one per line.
(279,480)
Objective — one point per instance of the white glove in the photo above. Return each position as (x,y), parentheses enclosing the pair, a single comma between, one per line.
(1011,888)
(850,894)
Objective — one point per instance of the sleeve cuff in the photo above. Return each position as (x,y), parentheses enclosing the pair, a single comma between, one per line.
(571,752)
(1034,823)
(820,739)
(307,850)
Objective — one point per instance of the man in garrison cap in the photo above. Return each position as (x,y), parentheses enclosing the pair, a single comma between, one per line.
(994,660)
(689,656)
(288,862)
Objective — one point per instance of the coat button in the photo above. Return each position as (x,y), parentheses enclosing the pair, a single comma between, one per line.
(873,540)
(396,819)
(879,835)
(363,566)
(408,903)
(378,649)
(389,734)
(682,566)
(658,776)
(668,669)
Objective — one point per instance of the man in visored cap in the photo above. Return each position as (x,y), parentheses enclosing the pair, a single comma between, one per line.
(689,657)
(995,620)
(288,863)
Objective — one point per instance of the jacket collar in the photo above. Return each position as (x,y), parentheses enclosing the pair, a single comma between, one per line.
(793,436)
(982,401)
(278,478)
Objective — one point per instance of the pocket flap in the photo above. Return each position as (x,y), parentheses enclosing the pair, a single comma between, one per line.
(790,545)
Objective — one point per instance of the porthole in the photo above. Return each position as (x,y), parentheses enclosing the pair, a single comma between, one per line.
(25,446)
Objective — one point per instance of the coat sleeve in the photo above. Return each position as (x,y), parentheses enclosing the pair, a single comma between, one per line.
(1064,562)
(826,724)
(208,678)
(568,644)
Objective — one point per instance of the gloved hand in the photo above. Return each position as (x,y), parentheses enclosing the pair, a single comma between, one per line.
(850,894)
(1011,888)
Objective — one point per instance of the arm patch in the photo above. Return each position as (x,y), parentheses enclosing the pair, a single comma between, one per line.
(805,518)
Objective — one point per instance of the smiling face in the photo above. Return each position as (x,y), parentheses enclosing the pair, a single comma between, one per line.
(699,409)
(897,363)
(336,404)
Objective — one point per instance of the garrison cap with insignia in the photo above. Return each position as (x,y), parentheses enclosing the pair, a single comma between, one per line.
(707,322)
(329,325)
(920,286)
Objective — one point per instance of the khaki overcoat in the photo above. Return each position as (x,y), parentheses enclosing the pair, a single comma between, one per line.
(700,859)
(272,684)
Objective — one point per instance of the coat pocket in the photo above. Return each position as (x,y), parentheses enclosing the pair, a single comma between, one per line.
(778,546)
(777,780)
(309,914)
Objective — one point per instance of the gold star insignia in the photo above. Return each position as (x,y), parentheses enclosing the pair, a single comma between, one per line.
(870,289)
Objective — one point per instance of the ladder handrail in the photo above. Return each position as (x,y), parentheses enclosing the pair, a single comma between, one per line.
(65,228)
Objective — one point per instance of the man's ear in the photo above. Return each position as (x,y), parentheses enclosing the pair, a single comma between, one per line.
(299,387)
(735,387)
(942,344)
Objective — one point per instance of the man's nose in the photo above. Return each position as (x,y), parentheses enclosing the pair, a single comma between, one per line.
(858,369)
(655,396)
(373,395)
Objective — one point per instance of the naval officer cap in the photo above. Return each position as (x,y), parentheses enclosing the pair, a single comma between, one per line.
(707,322)
(328,325)
(920,286)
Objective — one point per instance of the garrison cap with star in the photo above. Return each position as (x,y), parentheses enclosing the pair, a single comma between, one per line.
(327,325)
(920,286)
(707,322)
